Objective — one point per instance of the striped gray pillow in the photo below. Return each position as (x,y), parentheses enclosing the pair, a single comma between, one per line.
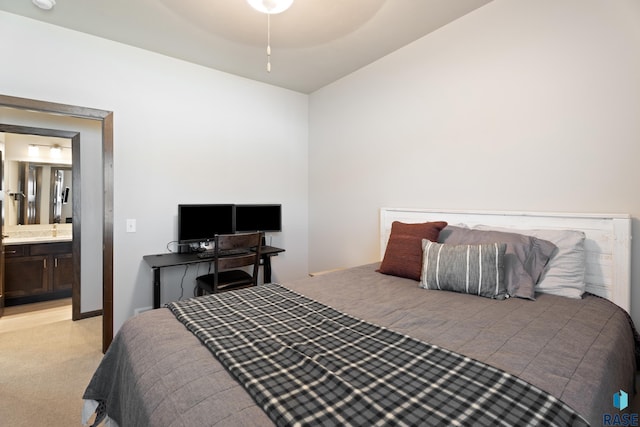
(471,269)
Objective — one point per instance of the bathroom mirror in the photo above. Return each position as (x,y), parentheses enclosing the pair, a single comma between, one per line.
(41,195)
(38,180)
(60,195)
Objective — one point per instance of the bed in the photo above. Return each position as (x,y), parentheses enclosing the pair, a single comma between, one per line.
(575,353)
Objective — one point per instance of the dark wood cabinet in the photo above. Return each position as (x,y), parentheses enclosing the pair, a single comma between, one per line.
(25,276)
(62,272)
(37,272)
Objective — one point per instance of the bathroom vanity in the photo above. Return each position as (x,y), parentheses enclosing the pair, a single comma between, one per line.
(37,269)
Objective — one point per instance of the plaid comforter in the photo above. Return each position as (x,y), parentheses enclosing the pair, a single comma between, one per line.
(307,364)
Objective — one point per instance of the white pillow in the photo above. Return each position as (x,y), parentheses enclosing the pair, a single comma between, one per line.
(564,274)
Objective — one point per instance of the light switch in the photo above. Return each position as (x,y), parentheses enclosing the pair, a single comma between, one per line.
(131,226)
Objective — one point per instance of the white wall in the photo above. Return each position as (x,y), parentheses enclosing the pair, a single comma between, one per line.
(182,134)
(520,105)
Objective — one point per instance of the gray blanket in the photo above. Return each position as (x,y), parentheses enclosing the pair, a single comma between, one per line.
(308,364)
(580,351)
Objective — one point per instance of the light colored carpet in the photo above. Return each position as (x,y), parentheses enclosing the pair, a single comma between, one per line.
(44,371)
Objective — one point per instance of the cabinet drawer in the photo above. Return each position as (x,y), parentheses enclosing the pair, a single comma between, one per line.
(11,251)
(50,248)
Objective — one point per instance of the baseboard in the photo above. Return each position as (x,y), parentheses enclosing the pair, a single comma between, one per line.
(89,314)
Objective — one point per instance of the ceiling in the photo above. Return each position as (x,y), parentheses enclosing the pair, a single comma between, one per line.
(313,43)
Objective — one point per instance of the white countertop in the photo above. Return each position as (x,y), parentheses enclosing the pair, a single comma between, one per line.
(40,239)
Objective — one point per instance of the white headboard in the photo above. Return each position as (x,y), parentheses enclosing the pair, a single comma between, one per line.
(607,244)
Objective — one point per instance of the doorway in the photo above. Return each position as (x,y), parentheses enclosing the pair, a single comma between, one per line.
(33,203)
(105,119)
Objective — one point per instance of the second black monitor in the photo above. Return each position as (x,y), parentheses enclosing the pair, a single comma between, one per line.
(258,217)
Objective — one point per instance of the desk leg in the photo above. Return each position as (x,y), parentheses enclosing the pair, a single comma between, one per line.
(267,269)
(156,288)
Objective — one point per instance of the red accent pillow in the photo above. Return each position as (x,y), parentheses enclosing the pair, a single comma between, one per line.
(403,256)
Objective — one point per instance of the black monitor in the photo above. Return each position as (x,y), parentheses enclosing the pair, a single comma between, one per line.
(258,218)
(200,223)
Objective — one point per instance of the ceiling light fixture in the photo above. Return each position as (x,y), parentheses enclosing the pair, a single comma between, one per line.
(44,4)
(33,150)
(270,7)
(55,151)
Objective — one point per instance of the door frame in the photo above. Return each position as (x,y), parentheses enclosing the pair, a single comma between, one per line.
(106,119)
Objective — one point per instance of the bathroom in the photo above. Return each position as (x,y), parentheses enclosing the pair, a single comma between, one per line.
(37,218)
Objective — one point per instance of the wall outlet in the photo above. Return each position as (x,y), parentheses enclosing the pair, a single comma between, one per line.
(131,226)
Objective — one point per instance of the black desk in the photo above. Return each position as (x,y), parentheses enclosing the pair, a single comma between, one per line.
(156,262)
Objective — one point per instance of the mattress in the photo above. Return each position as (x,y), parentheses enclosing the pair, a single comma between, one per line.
(581,351)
